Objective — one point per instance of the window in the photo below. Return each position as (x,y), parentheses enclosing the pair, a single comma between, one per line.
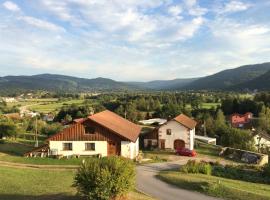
(67,146)
(169,131)
(90,146)
(90,130)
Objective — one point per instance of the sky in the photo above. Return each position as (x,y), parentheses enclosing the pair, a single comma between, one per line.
(132,40)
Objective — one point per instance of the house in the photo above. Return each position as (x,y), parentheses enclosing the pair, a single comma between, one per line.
(104,134)
(240,121)
(176,133)
(262,140)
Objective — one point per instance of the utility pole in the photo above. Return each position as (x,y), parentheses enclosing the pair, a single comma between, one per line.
(36,134)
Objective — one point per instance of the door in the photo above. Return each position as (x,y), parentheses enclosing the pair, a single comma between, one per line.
(162,144)
(113,148)
(178,144)
(149,144)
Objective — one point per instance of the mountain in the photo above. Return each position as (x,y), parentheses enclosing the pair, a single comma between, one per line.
(164,84)
(227,79)
(261,83)
(52,82)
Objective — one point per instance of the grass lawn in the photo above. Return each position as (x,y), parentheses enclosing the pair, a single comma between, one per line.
(216,186)
(207,150)
(46,107)
(29,184)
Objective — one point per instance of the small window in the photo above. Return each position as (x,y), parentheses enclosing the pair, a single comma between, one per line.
(90,130)
(169,131)
(67,146)
(90,147)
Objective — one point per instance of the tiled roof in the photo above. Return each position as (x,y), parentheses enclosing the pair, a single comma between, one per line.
(186,121)
(117,124)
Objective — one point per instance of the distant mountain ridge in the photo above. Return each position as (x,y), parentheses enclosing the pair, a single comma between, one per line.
(54,82)
(251,77)
(229,79)
(164,84)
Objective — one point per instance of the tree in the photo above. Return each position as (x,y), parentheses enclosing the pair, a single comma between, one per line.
(264,120)
(220,119)
(51,129)
(8,129)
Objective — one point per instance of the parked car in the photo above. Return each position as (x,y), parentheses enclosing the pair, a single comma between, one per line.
(185,152)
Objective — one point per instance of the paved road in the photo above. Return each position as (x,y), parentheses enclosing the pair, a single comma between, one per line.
(149,184)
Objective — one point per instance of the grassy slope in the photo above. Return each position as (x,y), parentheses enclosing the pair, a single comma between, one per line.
(216,186)
(28,184)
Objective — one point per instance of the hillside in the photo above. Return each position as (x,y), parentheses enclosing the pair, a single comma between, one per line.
(51,82)
(261,83)
(227,79)
(164,84)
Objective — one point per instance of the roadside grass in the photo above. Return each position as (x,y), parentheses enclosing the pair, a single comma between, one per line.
(216,186)
(205,105)
(157,156)
(37,184)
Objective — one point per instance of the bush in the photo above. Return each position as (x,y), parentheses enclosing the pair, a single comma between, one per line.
(195,167)
(105,178)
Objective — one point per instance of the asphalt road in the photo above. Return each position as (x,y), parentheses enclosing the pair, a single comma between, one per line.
(149,184)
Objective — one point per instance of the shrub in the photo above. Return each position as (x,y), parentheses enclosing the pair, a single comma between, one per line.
(105,178)
(197,167)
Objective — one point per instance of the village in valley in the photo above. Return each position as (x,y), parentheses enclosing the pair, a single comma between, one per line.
(222,136)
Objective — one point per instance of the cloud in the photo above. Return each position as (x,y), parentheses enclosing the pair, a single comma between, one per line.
(11,6)
(175,10)
(41,23)
(234,6)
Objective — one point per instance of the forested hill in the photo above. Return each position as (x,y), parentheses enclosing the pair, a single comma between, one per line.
(51,82)
(261,83)
(164,84)
(255,76)
(227,79)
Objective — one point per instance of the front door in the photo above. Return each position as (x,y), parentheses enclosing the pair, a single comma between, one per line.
(113,148)
(178,144)
(162,144)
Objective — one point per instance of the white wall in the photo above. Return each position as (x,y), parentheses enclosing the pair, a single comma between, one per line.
(130,149)
(262,142)
(78,148)
(191,139)
(178,131)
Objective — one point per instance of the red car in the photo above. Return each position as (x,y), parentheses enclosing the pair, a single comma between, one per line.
(185,152)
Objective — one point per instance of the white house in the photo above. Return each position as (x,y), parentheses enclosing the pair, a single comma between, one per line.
(176,133)
(104,134)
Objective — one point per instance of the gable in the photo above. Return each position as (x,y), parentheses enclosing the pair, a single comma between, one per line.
(76,132)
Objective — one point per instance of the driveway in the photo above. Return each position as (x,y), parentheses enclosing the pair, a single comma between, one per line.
(149,184)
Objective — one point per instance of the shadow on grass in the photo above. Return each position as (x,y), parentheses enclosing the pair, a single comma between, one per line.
(42,197)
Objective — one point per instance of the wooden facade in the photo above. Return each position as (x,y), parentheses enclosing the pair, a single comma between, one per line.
(77,132)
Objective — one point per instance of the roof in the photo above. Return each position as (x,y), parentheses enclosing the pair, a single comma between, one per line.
(186,121)
(117,124)
(79,120)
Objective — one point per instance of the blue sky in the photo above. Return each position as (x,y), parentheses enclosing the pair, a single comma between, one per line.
(135,40)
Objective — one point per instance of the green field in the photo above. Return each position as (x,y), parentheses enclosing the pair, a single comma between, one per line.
(216,186)
(46,107)
(36,184)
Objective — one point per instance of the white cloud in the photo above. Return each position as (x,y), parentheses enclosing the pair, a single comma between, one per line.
(175,10)
(11,6)
(234,6)
(41,23)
